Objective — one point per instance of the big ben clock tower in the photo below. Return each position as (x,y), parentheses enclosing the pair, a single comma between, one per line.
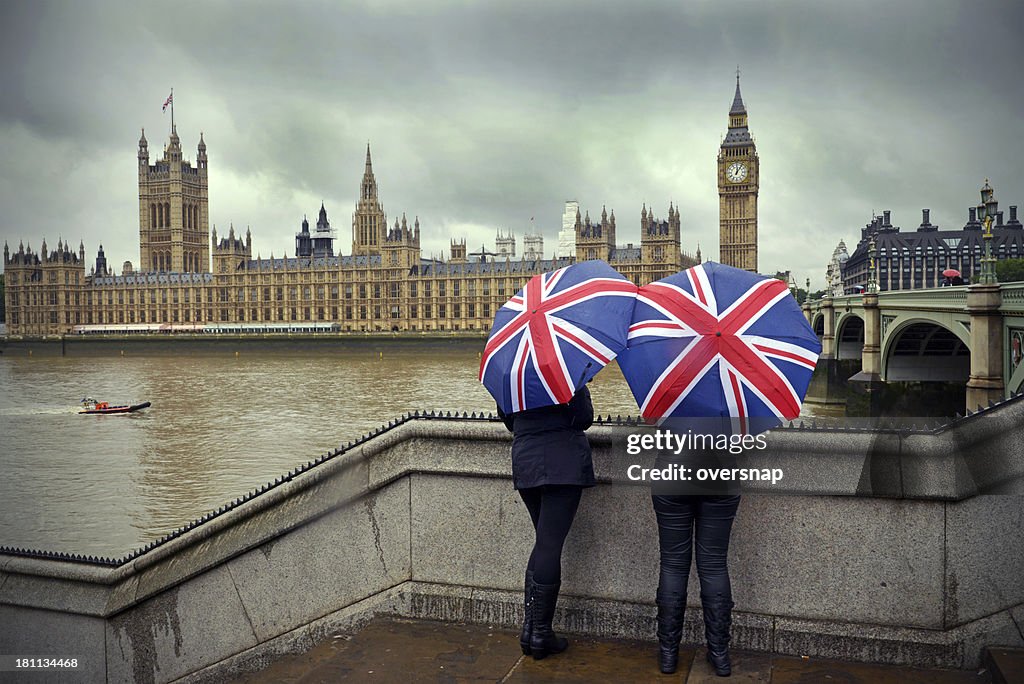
(738,180)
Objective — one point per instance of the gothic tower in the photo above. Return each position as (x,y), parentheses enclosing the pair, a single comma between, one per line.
(659,240)
(595,240)
(505,245)
(369,225)
(401,246)
(174,216)
(231,254)
(738,181)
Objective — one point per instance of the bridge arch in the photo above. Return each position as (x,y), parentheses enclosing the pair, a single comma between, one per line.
(849,337)
(918,349)
(819,325)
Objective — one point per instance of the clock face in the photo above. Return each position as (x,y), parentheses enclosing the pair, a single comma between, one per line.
(736,172)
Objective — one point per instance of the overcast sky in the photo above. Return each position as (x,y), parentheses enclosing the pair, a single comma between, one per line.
(483,115)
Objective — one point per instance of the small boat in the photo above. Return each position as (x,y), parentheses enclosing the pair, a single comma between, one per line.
(90,405)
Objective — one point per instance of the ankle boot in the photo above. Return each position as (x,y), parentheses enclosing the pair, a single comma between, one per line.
(717,621)
(524,636)
(671,602)
(543,640)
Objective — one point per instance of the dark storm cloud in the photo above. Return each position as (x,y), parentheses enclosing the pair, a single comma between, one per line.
(483,115)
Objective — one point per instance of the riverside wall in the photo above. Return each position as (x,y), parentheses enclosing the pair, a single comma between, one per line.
(155,345)
(897,546)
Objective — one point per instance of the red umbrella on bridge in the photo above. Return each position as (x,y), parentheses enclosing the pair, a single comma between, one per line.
(951,273)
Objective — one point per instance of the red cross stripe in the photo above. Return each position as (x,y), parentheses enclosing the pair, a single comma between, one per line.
(743,359)
(540,332)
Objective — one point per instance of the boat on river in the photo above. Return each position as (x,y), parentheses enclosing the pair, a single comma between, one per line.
(90,405)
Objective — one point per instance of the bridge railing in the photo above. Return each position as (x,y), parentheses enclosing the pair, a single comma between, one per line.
(943,298)
(932,298)
(1013,297)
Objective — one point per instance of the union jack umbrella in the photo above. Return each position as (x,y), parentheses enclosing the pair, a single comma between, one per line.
(556,334)
(716,341)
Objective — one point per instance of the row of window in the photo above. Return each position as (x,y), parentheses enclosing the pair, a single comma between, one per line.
(322,313)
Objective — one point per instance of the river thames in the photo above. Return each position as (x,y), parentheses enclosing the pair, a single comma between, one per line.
(219,426)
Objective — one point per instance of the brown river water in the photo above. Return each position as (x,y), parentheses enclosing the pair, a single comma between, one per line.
(219,426)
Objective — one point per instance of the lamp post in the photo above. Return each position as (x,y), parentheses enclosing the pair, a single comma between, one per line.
(807,296)
(872,267)
(986,212)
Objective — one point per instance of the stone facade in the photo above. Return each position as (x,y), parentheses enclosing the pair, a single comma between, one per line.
(384,285)
(834,272)
(913,260)
(174,216)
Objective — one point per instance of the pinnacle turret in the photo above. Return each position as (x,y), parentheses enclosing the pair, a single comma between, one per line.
(737,101)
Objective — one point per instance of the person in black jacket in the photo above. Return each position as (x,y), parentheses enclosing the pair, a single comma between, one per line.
(551,464)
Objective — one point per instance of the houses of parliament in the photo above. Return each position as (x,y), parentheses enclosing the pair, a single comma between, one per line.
(191,279)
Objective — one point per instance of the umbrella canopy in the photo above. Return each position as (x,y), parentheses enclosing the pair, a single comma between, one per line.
(716,341)
(556,334)
(951,273)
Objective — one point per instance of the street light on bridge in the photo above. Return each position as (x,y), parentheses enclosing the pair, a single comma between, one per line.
(872,267)
(986,212)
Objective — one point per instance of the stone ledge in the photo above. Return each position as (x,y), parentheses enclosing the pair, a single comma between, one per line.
(583,616)
(958,648)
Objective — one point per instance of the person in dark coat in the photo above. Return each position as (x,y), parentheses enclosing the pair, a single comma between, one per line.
(551,465)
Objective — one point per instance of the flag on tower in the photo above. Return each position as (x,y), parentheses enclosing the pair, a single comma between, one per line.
(168,101)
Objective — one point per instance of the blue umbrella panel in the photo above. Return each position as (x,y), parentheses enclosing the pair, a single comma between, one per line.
(556,334)
(717,341)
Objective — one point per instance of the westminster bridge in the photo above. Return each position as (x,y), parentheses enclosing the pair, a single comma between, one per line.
(963,334)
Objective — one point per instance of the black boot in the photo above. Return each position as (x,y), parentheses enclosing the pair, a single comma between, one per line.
(671,609)
(543,640)
(524,636)
(717,620)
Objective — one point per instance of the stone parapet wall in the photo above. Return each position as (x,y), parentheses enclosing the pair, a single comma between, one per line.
(879,548)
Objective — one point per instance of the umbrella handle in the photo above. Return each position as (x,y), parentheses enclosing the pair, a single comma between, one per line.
(584,373)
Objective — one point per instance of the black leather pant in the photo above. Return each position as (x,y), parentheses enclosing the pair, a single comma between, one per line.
(706,520)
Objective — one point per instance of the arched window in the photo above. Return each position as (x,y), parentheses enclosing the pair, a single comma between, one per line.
(159,216)
(152,215)
(167,214)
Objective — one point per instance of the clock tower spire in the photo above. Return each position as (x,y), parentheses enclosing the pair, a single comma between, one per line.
(738,182)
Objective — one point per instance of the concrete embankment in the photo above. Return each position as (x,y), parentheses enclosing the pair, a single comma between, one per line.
(115,345)
(880,545)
